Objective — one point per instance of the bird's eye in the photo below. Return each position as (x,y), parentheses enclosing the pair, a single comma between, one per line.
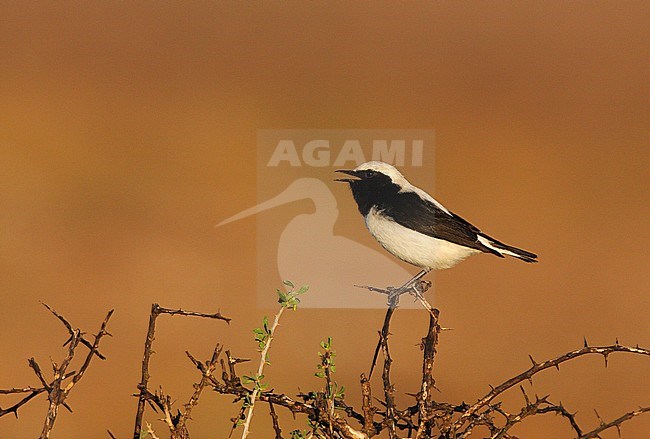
(369,173)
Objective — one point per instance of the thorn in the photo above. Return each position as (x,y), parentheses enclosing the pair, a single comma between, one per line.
(530,380)
(491,387)
(557,366)
(525,395)
(605,356)
(585,342)
(616,342)
(532,360)
(599,418)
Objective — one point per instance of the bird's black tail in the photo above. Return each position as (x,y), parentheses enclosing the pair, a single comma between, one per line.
(504,249)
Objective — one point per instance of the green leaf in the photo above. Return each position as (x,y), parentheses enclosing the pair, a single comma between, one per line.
(265,324)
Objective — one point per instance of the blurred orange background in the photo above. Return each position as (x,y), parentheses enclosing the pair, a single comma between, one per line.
(129,130)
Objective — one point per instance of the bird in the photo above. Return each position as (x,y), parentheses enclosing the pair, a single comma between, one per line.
(414,227)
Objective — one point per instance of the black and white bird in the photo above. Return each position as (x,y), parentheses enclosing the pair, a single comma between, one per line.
(413,226)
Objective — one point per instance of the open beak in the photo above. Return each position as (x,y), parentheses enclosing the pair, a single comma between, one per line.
(348,172)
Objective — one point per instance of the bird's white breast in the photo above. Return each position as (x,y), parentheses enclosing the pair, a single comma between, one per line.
(413,247)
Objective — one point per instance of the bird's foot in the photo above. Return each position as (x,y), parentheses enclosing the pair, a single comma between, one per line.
(393,296)
(420,287)
(416,288)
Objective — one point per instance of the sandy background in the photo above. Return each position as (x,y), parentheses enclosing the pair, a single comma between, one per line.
(128,130)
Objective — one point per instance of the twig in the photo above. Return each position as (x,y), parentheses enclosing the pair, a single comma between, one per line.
(217,315)
(414,286)
(29,389)
(383,334)
(14,408)
(144,381)
(615,423)
(532,408)
(57,393)
(276,423)
(67,324)
(206,373)
(388,387)
(144,394)
(424,398)
(260,370)
(93,351)
(368,409)
(231,386)
(538,367)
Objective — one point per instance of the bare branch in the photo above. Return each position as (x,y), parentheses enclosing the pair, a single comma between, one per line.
(424,397)
(71,331)
(615,423)
(217,315)
(536,368)
(145,395)
(14,408)
(276,423)
(388,387)
(368,410)
(206,373)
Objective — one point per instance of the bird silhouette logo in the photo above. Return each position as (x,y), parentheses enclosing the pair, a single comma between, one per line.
(309,250)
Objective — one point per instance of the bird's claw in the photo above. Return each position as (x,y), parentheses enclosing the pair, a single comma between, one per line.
(393,295)
(417,289)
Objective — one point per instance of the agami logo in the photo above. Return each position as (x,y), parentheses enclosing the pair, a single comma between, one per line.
(318,152)
(302,235)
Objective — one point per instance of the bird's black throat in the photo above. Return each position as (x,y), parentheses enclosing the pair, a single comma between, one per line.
(375,191)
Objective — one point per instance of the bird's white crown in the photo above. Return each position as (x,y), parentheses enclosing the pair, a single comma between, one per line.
(386,169)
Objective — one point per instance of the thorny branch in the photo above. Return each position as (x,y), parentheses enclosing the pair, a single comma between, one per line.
(388,386)
(425,396)
(616,423)
(57,390)
(329,414)
(163,402)
(427,418)
(605,351)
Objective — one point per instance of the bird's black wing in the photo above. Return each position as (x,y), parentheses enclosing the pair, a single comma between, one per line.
(410,210)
